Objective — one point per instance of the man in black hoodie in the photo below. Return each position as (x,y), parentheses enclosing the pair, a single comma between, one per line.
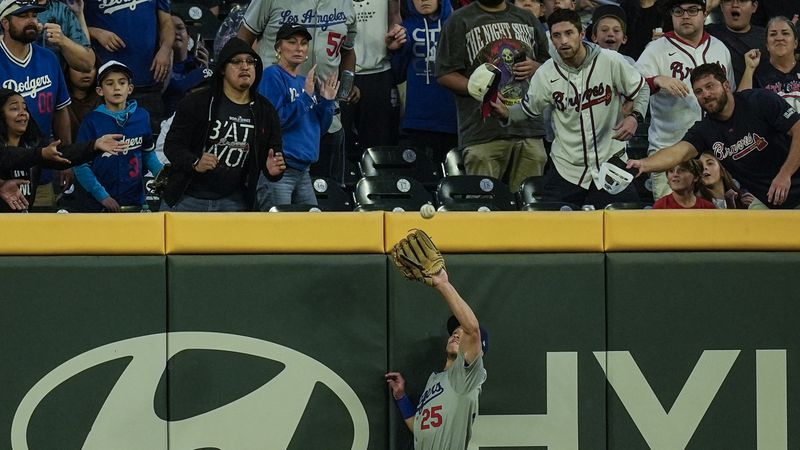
(222,137)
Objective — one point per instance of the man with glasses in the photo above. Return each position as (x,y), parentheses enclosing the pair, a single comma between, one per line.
(737,33)
(222,138)
(667,64)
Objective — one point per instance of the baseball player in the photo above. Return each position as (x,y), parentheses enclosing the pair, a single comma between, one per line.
(586,86)
(442,420)
(666,64)
(755,135)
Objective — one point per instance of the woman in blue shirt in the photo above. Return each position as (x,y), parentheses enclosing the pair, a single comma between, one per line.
(305,112)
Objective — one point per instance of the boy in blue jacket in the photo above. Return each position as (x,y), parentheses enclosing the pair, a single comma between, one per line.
(116,182)
(430,120)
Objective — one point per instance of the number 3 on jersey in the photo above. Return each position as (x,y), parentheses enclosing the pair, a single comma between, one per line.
(431,417)
(335,41)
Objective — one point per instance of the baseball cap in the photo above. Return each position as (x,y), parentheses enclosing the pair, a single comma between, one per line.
(113,66)
(603,11)
(15,7)
(288,30)
(452,324)
(483,85)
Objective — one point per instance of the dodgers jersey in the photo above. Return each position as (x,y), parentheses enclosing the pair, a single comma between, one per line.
(673,57)
(448,406)
(586,103)
(122,175)
(39,80)
(136,23)
(332,24)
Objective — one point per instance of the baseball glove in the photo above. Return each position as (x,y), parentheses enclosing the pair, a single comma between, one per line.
(417,257)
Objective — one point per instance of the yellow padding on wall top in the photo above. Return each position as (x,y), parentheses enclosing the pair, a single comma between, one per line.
(503,232)
(82,234)
(670,230)
(206,233)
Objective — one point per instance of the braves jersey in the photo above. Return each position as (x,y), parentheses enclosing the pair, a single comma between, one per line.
(136,23)
(787,85)
(40,81)
(671,56)
(448,406)
(753,144)
(586,104)
(121,176)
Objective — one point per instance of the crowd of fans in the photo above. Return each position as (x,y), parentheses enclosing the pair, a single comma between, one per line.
(292,89)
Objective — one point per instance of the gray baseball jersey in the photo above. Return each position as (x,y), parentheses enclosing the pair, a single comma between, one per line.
(448,406)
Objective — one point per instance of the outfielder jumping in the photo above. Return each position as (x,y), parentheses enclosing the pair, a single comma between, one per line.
(442,420)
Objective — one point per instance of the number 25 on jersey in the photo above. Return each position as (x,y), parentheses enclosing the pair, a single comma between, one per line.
(431,417)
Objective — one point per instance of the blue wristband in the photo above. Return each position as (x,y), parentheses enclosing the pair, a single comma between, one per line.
(407,409)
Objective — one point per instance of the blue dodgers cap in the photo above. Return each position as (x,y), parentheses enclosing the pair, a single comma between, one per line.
(452,324)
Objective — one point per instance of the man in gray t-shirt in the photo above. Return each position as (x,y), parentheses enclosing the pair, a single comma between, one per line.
(513,40)
(443,417)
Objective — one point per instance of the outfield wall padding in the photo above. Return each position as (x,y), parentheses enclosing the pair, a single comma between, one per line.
(221,331)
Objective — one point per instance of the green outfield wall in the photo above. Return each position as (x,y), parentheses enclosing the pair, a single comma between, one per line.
(273,331)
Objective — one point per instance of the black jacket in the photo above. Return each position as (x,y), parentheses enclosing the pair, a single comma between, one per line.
(26,158)
(19,158)
(186,140)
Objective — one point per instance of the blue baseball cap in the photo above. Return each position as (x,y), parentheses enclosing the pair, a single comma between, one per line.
(452,324)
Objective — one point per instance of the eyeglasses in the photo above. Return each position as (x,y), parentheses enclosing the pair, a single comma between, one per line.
(678,11)
(242,61)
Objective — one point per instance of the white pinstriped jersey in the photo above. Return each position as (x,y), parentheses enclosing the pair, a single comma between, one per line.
(672,56)
(586,107)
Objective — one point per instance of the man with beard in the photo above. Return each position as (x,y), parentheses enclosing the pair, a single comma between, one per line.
(223,138)
(586,86)
(33,71)
(749,132)
(512,39)
(666,64)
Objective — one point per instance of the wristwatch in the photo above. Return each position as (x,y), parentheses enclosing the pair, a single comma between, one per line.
(638,116)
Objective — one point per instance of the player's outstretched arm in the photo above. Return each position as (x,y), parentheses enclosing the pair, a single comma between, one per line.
(471,338)
(664,159)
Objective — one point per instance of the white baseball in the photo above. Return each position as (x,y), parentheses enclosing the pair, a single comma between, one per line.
(427,211)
